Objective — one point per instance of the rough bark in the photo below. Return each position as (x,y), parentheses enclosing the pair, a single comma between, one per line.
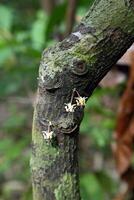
(80,61)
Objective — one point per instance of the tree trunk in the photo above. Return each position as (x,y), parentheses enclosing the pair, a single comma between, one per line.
(48,5)
(70,70)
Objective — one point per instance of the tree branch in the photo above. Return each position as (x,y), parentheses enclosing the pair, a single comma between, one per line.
(48,5)
(70,18)
(79,62)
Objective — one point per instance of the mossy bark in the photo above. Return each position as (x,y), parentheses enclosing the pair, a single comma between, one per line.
(80,62)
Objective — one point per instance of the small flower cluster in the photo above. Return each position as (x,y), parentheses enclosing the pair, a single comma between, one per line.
(69,107)
(80,102)
(48,134)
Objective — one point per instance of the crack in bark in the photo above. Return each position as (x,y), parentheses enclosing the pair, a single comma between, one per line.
(129,3)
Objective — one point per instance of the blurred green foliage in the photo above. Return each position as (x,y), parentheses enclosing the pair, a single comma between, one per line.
(98,126)
(25,30)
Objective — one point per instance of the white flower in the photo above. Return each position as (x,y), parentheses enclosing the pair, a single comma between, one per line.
(70,107)
(48,135)
(80,101)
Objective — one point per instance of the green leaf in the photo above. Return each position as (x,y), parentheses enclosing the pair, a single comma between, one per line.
(107,183)
(91,188)
(6,17)
(38,30)
(9,151)
(5,54)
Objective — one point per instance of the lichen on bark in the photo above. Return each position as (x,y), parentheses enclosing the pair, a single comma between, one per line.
(65,187)
(80,61)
